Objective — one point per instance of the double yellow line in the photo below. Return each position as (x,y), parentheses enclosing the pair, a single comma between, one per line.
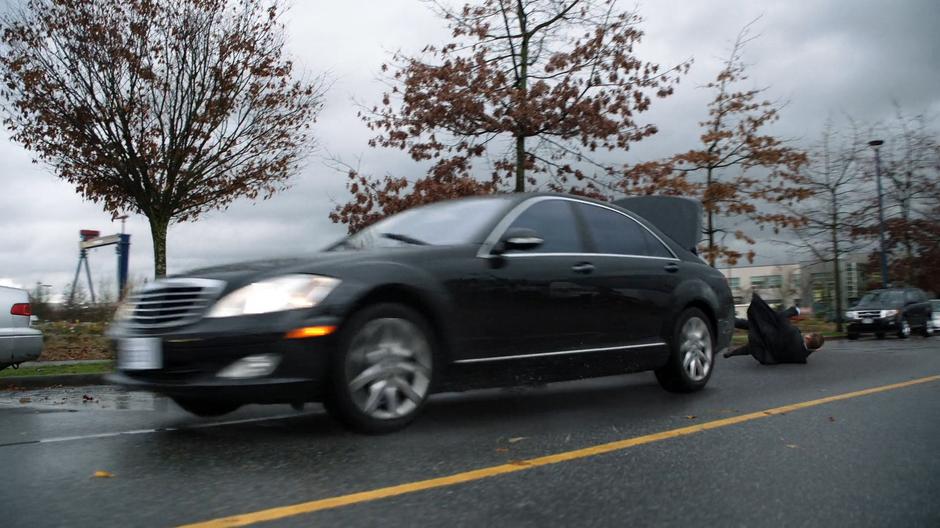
(522,465)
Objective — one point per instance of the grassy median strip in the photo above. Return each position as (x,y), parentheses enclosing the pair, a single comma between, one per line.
(98,367)
(522,465)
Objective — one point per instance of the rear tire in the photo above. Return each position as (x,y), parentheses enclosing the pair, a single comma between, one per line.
(206,408)
(692,356)
(852,336)
(381,374)
(879,335)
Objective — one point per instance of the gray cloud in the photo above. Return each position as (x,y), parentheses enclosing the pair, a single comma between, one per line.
(825,57)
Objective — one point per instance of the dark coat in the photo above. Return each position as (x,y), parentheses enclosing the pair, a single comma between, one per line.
(771,338)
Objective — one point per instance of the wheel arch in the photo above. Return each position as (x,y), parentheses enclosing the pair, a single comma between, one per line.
(419,301)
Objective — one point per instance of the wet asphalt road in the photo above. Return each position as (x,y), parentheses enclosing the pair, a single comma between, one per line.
(870,460)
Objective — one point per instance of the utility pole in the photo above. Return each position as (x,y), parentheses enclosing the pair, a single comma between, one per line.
(874,144)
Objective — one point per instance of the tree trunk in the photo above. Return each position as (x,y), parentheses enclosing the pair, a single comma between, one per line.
(158,229)
(836,273)
(520,164)
(522,85)
(711,225)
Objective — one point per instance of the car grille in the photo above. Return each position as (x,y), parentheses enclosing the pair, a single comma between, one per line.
(172,302)
(869,314)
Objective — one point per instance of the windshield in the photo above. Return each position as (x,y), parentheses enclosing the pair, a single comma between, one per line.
(882,298)
(439,224)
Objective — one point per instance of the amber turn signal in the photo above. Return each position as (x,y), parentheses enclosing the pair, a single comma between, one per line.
(310,331)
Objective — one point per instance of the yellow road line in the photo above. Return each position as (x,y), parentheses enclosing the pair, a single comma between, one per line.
(512,467)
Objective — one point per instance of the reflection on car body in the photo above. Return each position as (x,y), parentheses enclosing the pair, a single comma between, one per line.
(477,292)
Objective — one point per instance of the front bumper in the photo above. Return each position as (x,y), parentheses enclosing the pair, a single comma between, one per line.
(192,357)
(877,326)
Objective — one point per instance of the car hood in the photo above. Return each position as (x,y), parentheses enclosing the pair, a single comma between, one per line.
(330,263)
(874,306)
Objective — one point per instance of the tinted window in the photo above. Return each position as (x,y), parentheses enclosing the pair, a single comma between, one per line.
(443,223)
(555,222)
(617,234)
(884,297)
(654,247)
(915,296)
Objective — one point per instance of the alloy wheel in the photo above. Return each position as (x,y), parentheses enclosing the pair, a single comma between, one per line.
(905,328)
(388,368)
(696,349)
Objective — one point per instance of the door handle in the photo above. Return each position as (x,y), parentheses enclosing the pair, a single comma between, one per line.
(583,267)
(672,267)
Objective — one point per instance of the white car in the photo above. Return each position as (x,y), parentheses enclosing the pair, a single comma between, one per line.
(933,323)
(19,342)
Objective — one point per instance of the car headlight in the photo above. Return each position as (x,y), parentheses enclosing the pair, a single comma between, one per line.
(288,292)
(888,313)
(851,315)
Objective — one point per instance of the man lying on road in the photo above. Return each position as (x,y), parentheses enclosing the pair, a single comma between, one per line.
(771,338)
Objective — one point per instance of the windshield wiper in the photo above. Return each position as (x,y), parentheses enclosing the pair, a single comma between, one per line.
(404,238)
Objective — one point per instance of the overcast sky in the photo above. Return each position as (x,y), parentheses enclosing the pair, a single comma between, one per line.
(827,58)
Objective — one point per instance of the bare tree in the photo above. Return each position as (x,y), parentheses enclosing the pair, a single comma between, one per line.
(169,108)
(909,168)
(830,217)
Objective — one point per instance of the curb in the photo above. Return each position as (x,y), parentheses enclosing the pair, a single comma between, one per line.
(63,380)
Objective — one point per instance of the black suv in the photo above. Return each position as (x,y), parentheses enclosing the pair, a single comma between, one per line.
(891,310)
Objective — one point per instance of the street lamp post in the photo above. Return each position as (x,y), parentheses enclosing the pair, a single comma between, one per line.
(874,144)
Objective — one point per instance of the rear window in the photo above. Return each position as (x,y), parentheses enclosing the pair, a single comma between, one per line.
(616,234)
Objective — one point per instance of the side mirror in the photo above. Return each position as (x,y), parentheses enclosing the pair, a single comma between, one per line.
(519,238)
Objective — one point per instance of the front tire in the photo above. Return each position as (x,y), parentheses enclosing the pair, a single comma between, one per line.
(905,329)
(852,336)
(692,357)
(382,372)
(206,408)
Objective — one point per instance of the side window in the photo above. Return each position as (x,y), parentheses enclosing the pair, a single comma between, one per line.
(555,222)
(617,234)
(654,247)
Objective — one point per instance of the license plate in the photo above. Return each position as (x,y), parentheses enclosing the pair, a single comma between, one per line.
(867,321)
(140,353)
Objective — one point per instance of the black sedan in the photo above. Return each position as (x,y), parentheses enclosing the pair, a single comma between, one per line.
(479,292)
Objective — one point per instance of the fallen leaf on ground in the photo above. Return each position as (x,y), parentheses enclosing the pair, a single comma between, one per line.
(102,474)
(516,439)
(832,419)
(690,417)
(502,450)
(25,400)
(792,446)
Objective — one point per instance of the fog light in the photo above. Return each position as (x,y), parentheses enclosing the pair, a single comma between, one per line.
(251,366)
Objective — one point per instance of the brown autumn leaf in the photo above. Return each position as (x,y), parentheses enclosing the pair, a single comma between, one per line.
(102,474)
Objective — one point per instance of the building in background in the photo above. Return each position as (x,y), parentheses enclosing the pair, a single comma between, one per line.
(779,285)
(805,284)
